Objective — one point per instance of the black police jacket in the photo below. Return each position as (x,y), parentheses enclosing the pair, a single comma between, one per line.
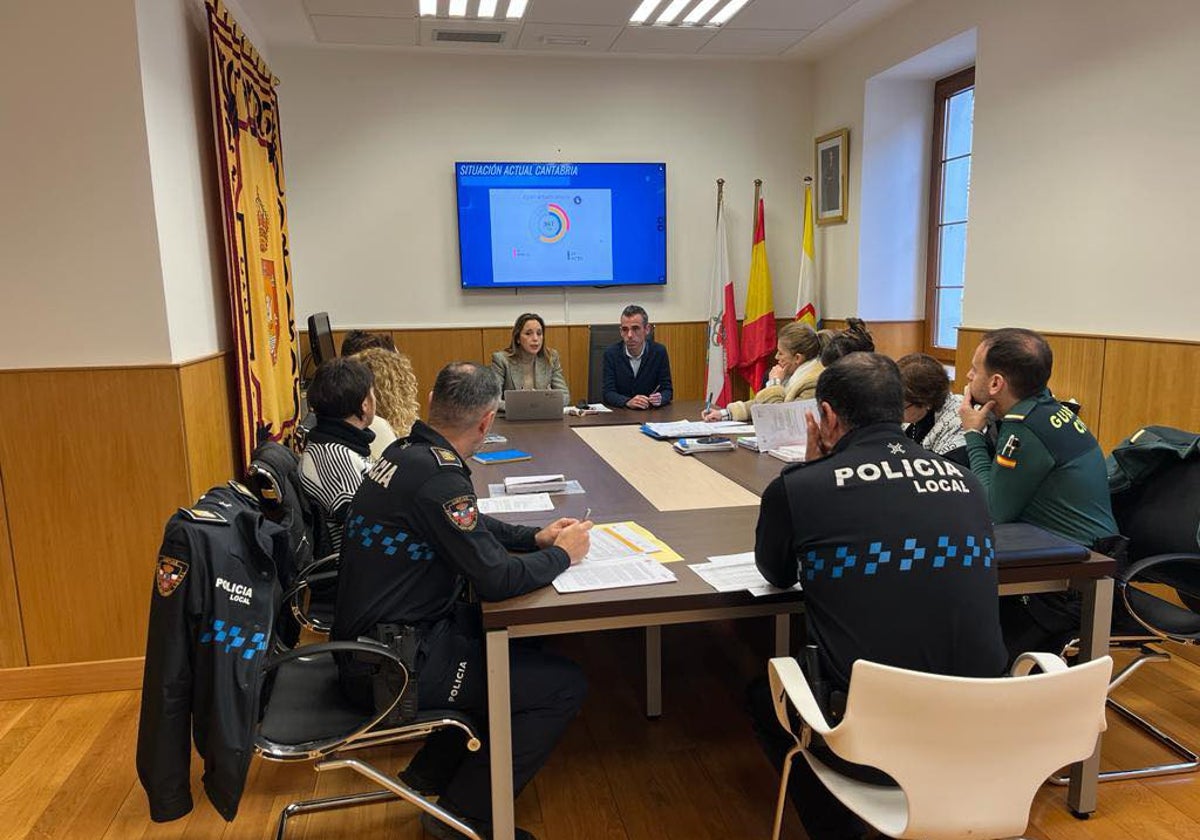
(215,596)
(894,548)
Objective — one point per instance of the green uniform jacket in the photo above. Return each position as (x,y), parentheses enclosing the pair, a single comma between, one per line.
(1048,471)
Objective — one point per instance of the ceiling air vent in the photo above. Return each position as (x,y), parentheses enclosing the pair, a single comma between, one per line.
(450,36)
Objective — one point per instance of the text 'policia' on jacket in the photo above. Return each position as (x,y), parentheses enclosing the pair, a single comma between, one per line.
(216,593)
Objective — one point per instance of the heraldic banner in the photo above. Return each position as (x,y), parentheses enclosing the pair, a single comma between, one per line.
(250,166)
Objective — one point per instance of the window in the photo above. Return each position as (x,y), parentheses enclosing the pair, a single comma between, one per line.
(949,193)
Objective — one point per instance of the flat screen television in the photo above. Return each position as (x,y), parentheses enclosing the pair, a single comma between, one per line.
(561,224)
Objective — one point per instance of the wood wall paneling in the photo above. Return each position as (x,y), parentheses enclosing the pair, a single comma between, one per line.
(579,343)
(87,502)
(430,350)
(73,678)
(1148,383)
(12,638)
(209,406)
(687,344)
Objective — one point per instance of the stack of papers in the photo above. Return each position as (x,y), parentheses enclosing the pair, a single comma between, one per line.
(515,504)
(571,487)
(534,484)
(695,428)
(736,573)
(791,454)
(781,424)
(750,443)
(690,446)
(621,554)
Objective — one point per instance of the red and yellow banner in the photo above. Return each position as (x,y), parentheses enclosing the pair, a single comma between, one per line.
(758,321)
(250,163)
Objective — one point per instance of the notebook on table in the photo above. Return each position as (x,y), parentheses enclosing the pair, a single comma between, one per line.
(533,405)
(1019,543)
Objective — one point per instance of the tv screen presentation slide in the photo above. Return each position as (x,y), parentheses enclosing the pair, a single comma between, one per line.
(561,224)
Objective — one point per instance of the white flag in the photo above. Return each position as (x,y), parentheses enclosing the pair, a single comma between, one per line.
(806,293)
(722,322)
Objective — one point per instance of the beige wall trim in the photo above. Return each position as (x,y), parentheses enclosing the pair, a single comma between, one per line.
(98,368)
(71,678)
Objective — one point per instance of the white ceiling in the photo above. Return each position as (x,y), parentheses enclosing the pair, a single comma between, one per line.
(769,29)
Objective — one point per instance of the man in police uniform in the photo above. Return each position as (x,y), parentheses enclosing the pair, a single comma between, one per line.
(894,548)
(1048,470)
(414,540)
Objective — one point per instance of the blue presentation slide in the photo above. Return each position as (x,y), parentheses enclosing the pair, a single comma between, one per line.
(558,235)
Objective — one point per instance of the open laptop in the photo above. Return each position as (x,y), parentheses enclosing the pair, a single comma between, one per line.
(533,405)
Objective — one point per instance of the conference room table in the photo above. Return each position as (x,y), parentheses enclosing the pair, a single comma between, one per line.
(700,506)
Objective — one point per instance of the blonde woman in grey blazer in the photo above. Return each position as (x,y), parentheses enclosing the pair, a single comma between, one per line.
(528,364)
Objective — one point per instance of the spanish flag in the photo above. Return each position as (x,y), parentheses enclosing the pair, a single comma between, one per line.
(758,323)
(806,293)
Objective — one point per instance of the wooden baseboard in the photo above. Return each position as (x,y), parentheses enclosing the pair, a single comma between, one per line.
(71,678)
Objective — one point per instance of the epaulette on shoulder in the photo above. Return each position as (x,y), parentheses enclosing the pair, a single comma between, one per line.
(209,517)
(445,457)
(1020,418)
(243,490)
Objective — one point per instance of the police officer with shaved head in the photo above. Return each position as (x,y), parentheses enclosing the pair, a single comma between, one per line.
(414,540)
(894,548)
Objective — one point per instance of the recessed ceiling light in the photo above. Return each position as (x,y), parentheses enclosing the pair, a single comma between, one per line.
(428,8)
(516,8)
(697,14)
(643,12)
(731,8)
(458,8)
(564,41)
(671,12)
(487,8)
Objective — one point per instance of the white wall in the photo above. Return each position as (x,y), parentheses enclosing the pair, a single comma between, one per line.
(1084,176)
(79,269)
(370,139)
(172,41)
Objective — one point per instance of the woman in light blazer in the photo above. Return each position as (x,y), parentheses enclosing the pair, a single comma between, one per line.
(794,377)
(528,364)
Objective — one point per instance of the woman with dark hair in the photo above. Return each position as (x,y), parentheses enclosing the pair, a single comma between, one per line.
(527,364)
(856,338)
(930,410)
(794,377)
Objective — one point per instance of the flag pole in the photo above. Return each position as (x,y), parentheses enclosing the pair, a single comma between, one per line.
(757,196)
(720,193)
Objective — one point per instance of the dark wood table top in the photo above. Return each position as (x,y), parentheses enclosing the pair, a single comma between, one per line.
(694,535)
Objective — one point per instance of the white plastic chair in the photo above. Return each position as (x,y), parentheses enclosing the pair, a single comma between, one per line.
(968,754)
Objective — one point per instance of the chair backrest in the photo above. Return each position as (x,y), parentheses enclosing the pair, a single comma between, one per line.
(600,337)
(970,754)
(1163,515)
(320,338)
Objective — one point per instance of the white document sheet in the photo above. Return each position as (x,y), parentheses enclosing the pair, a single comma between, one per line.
(781,424)
(614,542)
(735,573)
(698,428)
(613,574)
(516,503)
(573,488)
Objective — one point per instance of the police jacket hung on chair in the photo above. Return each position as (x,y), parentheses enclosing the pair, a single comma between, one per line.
(215,596)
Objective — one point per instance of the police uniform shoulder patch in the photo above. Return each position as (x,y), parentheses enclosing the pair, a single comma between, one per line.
(170,573)
(445,457)
(462,512)
(203,515)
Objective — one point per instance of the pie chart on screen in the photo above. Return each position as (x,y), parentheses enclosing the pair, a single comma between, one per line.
(553,224)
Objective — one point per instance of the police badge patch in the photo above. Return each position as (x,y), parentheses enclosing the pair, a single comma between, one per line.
(169,575)
(445,457)
(462,512)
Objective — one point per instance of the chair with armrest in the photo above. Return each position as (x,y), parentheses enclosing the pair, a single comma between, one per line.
(309,597)
(1159,592)
(968,755)
(307,718)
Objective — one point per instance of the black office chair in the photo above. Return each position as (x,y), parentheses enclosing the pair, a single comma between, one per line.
(1158,594)
(307,718)
(312,597)
(600,338)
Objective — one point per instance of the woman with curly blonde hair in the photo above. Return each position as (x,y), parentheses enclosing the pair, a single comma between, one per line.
(396,398)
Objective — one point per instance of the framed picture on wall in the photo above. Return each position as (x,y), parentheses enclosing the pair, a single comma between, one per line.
(833,151)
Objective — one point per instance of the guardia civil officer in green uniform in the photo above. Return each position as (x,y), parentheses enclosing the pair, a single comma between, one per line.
(1047,470)
(414,540)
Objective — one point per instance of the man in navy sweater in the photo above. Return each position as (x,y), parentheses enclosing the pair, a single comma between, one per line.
(637,371)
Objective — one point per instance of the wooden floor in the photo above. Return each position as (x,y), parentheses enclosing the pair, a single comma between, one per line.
(67,771)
